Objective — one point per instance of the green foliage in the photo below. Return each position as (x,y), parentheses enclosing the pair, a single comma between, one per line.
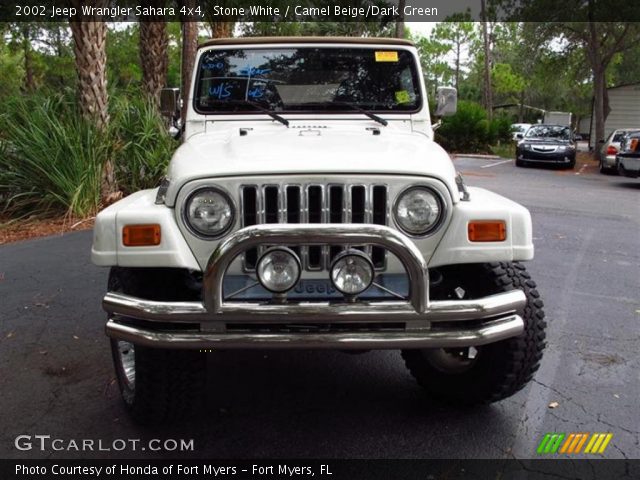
(123,57)
(470,131)
(142,146)
(53,159)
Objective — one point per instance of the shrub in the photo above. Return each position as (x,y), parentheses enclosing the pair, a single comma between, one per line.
(142,144)
(52,159)
(470,131)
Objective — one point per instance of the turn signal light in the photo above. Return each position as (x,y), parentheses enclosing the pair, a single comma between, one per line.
(487,231)
(141,235)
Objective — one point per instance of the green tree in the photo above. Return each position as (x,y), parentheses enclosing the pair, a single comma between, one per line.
(600,41)
(456,32)
(435,69)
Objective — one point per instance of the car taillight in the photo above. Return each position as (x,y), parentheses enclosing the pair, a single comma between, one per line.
(611,150)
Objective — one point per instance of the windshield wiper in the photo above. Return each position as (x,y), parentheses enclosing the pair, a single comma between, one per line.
(372,116)
(352,106)
(257,106)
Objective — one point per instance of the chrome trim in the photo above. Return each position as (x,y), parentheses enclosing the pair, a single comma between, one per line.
(185,215)
(303,189)
(306,234)
(436,226)
(417,307)
(391,310)
(489,332)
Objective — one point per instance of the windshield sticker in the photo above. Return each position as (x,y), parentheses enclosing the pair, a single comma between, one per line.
(386,56)
(402,96)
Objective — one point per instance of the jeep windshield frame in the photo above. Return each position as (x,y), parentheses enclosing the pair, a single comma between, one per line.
(308,80)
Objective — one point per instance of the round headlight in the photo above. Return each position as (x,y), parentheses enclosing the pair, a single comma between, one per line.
(352,272)
(209,212)
(278,270)
(418,210)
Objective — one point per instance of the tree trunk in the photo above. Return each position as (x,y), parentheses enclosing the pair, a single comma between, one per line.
(89,42)
(521,108)
(153,57)
(599,90)
(221,29)
(487,96)
(29,84)
(400,21)
(189,49)
(457,65)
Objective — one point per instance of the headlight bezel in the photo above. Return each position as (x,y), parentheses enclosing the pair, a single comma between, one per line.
(441,209)
(185,212)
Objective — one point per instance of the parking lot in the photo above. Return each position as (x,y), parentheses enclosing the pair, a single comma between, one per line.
(57,376)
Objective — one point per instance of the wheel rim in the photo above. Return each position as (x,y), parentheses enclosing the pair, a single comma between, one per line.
(127,359)
(452,360)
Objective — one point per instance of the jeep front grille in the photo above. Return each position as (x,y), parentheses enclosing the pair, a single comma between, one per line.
(315,203)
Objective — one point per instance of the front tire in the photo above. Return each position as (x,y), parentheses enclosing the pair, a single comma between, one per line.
(157,385)
(491,372)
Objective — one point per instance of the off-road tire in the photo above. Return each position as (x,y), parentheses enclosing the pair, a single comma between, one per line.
(502,368)
(169,384)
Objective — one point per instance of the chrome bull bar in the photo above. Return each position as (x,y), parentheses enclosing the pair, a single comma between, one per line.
(420,315)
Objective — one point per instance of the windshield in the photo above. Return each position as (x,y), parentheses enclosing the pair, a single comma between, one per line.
(549,131)
(307,79)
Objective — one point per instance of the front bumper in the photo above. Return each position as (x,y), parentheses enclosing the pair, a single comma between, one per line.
(414,322)
(559,158)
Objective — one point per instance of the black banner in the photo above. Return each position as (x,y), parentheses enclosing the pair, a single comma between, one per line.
(318,469)
(321,10)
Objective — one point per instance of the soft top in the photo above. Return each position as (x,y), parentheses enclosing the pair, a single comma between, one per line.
(262,40)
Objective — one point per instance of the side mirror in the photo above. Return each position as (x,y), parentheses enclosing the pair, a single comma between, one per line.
(446,101)
(169,102)
(519,136)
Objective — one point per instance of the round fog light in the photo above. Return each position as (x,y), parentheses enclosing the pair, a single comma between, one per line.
(278,269)
(352,272)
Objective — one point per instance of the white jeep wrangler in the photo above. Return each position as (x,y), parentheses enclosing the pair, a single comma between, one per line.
(309,207)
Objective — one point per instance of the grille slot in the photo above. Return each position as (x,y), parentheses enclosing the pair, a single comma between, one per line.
(380,216)
(250,208)
(314,203)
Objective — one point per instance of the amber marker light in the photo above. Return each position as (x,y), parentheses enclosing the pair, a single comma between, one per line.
(487,231)
(141,235)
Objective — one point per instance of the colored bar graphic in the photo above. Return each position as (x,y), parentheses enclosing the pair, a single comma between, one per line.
(572,443)
(550,443)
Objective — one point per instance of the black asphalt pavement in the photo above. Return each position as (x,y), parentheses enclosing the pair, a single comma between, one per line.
(57,376)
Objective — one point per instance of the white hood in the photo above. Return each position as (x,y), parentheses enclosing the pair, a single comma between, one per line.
(268,149)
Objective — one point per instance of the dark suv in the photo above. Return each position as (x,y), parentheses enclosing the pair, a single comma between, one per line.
(547,144)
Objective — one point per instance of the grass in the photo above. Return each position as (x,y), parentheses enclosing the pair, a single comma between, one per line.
(504,150)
